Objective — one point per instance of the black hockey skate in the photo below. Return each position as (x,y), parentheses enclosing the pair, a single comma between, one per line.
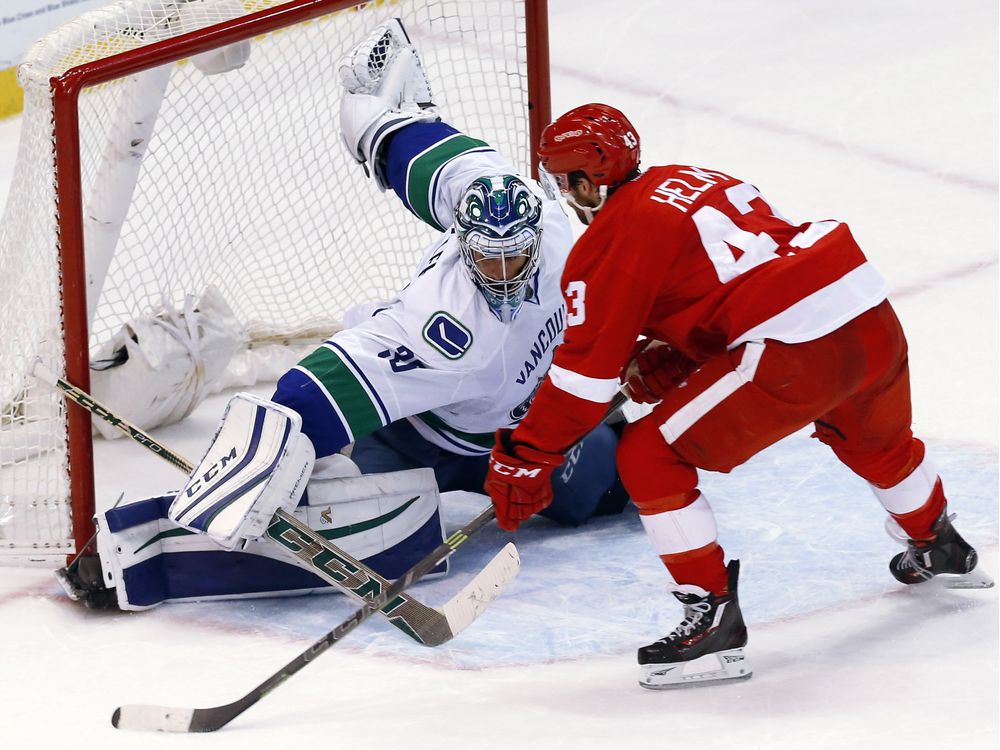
(948,555)
(706,647)
(83,580)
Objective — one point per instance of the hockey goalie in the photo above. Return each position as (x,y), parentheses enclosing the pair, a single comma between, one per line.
(416,385)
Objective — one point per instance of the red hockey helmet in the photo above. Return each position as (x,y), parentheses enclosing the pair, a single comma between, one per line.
(593,138)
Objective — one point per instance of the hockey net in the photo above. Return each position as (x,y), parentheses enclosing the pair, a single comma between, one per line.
(141,180)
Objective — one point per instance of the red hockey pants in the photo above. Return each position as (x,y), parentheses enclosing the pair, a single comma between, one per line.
(852,384)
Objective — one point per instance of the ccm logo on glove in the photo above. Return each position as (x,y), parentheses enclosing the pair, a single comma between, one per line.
(213,471)
(514,471)
(519,480)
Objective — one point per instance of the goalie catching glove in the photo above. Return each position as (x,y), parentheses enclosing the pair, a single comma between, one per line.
(259,462)
(385,89)
(519,480)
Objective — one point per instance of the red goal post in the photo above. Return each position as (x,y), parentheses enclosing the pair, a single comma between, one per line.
(236,180)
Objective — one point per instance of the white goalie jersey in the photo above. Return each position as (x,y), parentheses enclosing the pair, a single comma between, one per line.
(436,354)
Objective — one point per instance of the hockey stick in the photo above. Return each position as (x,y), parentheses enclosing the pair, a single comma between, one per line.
(168,719)
(179,719)
(430,626)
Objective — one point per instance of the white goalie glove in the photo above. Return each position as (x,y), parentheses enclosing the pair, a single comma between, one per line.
(258,463)
(385,89)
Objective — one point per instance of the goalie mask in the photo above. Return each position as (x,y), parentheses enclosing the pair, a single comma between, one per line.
(498,222)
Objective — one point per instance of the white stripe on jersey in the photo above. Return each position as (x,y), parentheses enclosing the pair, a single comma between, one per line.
(322,388)
(446,440)
(912,492)
(363,381)
(823,311)
(598,390)
(682,419)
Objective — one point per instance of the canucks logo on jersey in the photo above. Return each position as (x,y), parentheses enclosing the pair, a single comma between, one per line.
(447,335)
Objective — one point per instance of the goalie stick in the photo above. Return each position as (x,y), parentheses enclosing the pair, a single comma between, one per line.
(428,625)
(168,719)
(179,719)
(500,570)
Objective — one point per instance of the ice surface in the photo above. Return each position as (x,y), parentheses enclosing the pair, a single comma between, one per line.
(883,114)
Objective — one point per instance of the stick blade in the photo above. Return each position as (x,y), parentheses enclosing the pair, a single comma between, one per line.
(463,608)
(153,718)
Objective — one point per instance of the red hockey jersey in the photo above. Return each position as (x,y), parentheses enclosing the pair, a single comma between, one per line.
(702,261)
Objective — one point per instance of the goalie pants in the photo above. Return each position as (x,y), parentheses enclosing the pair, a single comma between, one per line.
(852,385)
(586,485)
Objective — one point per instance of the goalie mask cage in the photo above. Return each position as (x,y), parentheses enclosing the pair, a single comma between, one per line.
(141,179)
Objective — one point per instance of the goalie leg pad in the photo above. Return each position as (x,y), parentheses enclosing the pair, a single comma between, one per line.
(147,560)
(388,521)
(258,462)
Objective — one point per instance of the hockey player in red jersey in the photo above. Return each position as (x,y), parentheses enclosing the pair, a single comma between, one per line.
(742,327)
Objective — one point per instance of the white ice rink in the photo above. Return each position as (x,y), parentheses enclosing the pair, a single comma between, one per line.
(882,113)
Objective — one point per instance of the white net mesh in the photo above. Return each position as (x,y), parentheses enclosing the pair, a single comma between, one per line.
(242,183)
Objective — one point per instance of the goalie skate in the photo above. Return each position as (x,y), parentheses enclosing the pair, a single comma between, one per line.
(707,646)
(83,580)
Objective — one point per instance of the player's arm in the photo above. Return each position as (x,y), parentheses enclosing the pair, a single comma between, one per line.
(389,124)
(360,380)
(263,451)
(430,164)
(607,304)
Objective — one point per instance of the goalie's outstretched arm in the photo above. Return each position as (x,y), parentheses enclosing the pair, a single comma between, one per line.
(430,164)
(361,380)
(390,124)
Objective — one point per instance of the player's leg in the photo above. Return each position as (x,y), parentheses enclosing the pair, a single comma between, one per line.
(870,432)
(395,447)
(730,408)
(388,521)
(587,484)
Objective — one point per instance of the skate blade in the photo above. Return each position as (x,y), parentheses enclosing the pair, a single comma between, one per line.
(974,579)
(62,575)
(724,666)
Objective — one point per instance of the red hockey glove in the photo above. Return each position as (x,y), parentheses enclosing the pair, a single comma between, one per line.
(654,369)
(519,480)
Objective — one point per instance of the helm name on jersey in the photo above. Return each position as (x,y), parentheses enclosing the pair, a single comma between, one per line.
(548,335)
(680,194)
(211,473)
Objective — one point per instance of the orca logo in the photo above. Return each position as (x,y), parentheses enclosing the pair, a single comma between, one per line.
(447,335)
(519,411)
